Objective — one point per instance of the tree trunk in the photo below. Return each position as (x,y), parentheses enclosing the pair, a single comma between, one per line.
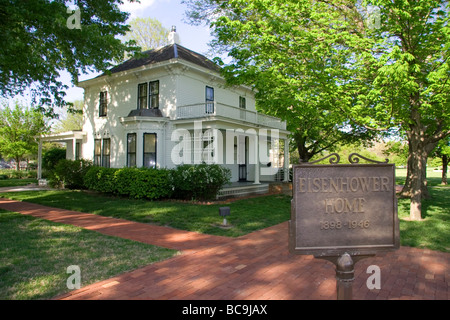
(416,176)
(444,169)
(303,152)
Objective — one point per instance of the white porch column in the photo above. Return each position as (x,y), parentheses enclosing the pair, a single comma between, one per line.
(74,149)
(257,159)
(139,148)
(39,173)
(218,146)
(286,160)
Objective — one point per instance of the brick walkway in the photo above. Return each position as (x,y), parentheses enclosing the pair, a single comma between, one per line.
(254,266)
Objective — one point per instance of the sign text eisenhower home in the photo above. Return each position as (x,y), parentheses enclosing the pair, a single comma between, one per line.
(343,208)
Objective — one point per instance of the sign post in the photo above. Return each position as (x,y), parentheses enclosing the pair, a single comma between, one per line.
(343,213)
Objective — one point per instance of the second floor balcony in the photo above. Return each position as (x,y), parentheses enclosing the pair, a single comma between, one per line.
(216,109)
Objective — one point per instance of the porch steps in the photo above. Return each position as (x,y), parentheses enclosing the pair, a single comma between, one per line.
(244,190)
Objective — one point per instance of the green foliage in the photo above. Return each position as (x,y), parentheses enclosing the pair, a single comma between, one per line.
(140,183)
(153,184)
(18,128)
(325,67)
(136,183)
(16,174)
(199,182)
(100,179)
(37,44)
(51,158)
(73,119)
(69,173)
(289,52)
(398,150)
(35,254)
(148,33)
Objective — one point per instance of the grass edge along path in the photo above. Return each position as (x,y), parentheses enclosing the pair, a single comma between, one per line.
(35,255)
(247,215)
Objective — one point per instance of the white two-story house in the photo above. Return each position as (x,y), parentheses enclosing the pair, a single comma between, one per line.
(172,106)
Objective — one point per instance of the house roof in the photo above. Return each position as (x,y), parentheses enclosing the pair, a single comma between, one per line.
(171,51)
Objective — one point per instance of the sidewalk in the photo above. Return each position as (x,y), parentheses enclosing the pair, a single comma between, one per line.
(254,266)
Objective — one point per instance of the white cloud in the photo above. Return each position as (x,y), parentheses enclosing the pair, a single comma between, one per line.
(137,9)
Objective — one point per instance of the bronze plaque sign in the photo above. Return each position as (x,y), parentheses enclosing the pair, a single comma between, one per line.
(341,208)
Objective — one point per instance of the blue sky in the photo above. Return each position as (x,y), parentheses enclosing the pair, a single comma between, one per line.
(168,12)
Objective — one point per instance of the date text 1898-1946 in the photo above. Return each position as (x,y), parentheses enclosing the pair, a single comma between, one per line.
(350,224)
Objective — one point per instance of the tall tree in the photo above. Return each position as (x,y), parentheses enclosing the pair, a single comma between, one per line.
(19,127)
(72,120)
(381,69)
(408,68)
(278,48)
(41,38)
(442,151)
(148,33)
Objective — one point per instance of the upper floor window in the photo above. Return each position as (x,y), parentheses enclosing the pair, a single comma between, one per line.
(153,94)
(242,106)
(103,104)
(148,95)
(142,96)
(242,103)
(209,100)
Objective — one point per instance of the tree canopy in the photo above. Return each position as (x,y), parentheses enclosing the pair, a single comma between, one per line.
(19,127)
(148,33)
(282,50)
(41,38)
(342,62)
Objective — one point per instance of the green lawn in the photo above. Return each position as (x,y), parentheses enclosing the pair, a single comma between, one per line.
(16,182)
(247,215)
(434,231)
(35,255)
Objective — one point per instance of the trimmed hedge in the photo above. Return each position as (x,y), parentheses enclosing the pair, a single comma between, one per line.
(69,173)
(199,182)
(186,182)
(137,183)
(100,179)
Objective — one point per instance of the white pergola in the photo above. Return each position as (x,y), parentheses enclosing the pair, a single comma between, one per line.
(70,138)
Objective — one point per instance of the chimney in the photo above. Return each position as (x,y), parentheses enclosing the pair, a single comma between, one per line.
(173,37)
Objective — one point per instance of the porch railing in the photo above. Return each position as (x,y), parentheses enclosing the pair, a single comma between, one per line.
(203,110)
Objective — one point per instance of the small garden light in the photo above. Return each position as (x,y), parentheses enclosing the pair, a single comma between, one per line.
(224,212)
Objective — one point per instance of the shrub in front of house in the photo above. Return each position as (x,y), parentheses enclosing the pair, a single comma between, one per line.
(100,179)
(143,183)
(69,173)
(186,182)
(51,158)
(199,182)
(136,183)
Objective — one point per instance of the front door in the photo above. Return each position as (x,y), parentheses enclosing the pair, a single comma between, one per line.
(242,157)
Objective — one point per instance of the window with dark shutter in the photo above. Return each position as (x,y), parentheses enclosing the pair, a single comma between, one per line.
(142,96)
(153,96)
(103,104)
(209,100)
(131,149)
(150,150)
